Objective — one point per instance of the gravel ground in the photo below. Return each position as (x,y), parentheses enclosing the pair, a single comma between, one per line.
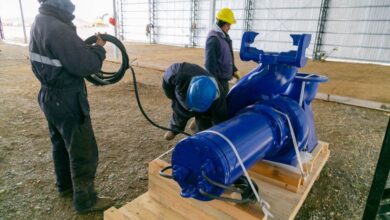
(127,143)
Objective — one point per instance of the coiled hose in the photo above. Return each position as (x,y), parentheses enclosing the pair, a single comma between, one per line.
(106,78)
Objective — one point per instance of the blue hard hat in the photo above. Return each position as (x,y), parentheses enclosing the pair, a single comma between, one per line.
(201,93)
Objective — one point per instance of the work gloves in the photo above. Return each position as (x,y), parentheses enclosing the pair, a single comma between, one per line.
(237,75)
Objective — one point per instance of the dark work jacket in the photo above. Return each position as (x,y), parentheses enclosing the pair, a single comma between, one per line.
(59,58)
(219,58)
(177,78)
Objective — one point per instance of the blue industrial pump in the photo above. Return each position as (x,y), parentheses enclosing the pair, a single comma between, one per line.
(269,114)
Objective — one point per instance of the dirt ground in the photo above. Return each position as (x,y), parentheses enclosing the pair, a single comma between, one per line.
(363,81)
(127,143)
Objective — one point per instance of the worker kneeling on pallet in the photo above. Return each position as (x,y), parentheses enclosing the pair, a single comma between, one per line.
(194,93)
(61,60)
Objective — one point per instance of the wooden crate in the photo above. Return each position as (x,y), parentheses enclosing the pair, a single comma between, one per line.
(284,190)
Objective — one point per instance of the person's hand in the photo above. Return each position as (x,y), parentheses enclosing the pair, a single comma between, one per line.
(99,40)
(237,75)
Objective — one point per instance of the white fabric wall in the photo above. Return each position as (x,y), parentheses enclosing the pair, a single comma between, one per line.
(135,19)
(204,22)
(358,30)
(275,20)
(173,22)
(355,29)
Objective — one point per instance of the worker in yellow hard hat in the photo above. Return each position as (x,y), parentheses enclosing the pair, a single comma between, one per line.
(219,59)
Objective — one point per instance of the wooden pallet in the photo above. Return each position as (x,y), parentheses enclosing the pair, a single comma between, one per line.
(284,190)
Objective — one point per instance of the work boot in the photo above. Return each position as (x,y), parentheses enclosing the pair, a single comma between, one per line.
(102,203)
(66,193)
(193,125)
(169,135)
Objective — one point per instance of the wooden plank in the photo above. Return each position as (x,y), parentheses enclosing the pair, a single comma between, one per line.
(137,207)
(162,211)
(170,198)
(113,214)
(145,208)
(142,208)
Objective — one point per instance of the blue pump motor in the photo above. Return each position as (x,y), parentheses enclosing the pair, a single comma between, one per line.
(257,132)
(260,105)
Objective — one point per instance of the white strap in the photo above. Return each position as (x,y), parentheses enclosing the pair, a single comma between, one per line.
(295,143)
(165,153)
(264,205)
(45,60)
(303,90)
(303,87)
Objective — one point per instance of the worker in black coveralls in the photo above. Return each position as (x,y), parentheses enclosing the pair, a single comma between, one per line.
(194,93)
(60,60)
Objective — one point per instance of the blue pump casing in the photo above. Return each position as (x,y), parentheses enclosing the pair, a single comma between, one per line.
(260,105)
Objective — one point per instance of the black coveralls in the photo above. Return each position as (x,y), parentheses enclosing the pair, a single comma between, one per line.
(61,60)
(176,81)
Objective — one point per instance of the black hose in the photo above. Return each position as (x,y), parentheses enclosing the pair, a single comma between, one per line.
(161,172)
(142,110)
(106,78)
(226,199)
(220,185)
(241,186)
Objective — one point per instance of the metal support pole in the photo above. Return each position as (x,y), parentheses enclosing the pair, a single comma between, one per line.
(249,10)
(152,22)
(320,29)
(1,30)
(24,26)
(194,22)
(212,13)
(116,54)
(121,31)
(115,17)
(378,192)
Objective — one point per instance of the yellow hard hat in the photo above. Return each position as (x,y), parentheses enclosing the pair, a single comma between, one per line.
(226,15)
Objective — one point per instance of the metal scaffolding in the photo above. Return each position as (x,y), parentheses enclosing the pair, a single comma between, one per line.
(1,30)
(121,29)
(249,11)
(23,23)
(151,27)
(194,23)
(320,29)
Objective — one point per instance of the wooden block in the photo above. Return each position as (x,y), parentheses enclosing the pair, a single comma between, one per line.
(279,176)
(315,153)
(276,175)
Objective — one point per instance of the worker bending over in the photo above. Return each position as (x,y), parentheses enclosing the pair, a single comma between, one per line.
(194,93)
